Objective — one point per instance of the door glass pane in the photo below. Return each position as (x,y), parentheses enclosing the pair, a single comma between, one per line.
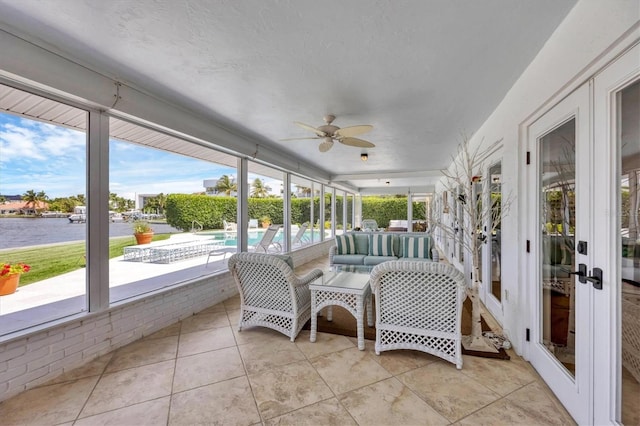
(495,174)
(629,143)
(558,213)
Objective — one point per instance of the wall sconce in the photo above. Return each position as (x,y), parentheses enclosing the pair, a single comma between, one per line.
(364,156)
(387,183)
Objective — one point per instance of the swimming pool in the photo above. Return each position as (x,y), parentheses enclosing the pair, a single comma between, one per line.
(255,236)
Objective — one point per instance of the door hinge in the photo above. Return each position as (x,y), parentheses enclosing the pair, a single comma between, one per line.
(528,246)
(528,157)
(527,335)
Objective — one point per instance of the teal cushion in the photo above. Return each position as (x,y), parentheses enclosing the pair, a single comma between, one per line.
(362,243)
(345,244)
(375,260)
(380,245)
(416,247)
(348,259)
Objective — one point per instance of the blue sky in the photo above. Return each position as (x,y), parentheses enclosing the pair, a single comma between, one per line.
(44,157)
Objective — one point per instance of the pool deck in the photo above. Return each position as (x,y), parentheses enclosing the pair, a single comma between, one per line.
(64,294)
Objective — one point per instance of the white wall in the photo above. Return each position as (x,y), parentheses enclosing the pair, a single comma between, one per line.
(592,34)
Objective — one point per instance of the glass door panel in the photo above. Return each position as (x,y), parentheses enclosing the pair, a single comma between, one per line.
(629,199)
(558,213)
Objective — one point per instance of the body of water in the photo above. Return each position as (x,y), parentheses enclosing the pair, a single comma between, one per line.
(22,232)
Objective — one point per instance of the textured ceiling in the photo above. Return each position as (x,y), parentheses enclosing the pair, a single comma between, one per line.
(421,72)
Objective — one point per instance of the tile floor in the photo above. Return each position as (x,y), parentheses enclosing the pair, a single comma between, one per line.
(203,371)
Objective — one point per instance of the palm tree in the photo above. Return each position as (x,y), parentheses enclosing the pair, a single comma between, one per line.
(227,185)
(33,199)
(259,189)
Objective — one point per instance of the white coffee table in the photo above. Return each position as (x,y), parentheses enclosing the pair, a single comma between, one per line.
(343,286)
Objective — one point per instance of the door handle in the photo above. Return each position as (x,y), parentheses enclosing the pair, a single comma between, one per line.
(596,278)
(581,273)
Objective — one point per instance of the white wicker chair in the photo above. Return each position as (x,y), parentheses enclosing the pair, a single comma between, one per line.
(419,307)
(271,294)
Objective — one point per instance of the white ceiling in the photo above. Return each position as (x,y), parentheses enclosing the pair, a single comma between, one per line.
(422,72)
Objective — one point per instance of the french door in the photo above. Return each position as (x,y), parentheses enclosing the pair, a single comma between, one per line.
(583,238)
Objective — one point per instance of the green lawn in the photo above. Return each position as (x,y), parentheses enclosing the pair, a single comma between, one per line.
(47,262)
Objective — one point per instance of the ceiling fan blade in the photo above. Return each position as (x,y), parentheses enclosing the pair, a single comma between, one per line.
(310,128)
(347,132)
(300,139)
(356,142)
(325,145)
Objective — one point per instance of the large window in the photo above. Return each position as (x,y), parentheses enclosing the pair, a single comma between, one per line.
(302,212)
(185,203)
(266,205)
(43,222)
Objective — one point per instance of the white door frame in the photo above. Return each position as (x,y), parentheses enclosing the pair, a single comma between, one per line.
(607,252)
(575,394)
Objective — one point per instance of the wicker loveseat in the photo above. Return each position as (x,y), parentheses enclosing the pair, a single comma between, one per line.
(419,307)
(372,248)
(271,294)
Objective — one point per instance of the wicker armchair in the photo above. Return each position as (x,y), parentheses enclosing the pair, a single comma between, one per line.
(271,295)
(419,307)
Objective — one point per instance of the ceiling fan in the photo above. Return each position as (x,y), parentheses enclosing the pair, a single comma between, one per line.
(330,133)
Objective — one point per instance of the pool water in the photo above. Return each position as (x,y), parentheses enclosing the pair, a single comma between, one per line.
(255,236)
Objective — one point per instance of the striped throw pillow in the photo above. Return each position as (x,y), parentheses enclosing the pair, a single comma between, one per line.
(380,245)
(346,244)
(416,247)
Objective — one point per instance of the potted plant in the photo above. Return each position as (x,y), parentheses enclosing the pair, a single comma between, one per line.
(142,231)
(265,221)
(10,276)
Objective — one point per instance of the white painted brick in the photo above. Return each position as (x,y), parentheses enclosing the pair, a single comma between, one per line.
(12,373)
(97,349)
(67,342)
(44,360)
(79,347)
(13,353)
(72,360)
(85,328)
(28,357)
(33,344)
(29,377)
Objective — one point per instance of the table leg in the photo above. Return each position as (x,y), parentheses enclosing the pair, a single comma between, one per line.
(369,311)
(360,322)
(314,317)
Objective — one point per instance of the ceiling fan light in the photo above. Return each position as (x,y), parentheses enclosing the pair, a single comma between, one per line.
(364,156)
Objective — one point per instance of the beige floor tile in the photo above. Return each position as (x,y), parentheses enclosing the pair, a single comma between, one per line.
(205,341)
(349,369)
(501,376)
(232,303)
(446,389)
(630,399)
(205,321)
(90,369)
(265,355)
(389,402)
(287,388)
(401,361)
(143,352)
(207,368)
(328,413)
(225,403)
(256,335)
(149,413)
(172,330)
(128,387)
(325,343)
(212,309)
(527,406)
(47,405)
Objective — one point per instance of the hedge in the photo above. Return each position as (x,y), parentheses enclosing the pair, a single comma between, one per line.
(183,209)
